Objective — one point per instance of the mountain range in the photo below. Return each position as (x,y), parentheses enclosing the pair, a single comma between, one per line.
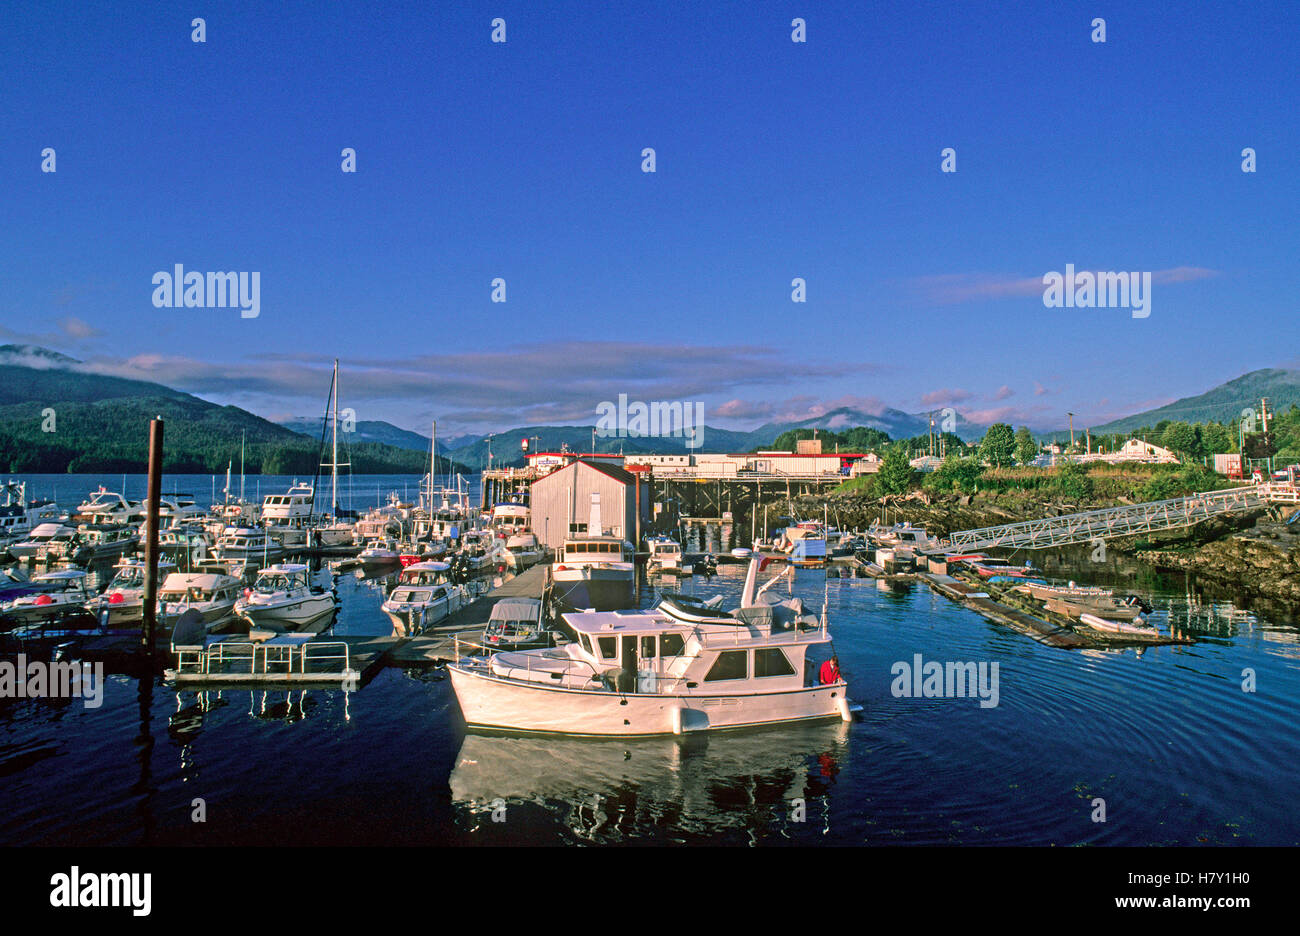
(101,424)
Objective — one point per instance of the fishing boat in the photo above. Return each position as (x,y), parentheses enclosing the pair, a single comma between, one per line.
(595,572)
(283,599)
(19,516)
(685,666)
(212,595)
(424,595)
(123,599)
(61,590)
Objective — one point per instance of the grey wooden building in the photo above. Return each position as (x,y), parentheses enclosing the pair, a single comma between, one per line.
(568,500)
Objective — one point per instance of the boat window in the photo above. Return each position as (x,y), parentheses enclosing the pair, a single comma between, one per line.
(730,664)
(608,647)
(770,661)
(671,644)
(586,643)
(648,648)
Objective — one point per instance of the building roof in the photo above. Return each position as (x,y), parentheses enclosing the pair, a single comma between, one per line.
(613,471)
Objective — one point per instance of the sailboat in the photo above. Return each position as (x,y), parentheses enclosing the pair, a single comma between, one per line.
(329,531)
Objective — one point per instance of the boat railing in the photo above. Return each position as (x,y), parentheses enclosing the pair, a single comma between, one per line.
(257,658)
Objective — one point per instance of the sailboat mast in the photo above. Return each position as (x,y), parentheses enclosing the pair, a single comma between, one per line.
(243,437)
(334,466)
(433,462)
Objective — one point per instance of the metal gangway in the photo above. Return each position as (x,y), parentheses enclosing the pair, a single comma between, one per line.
(1113,522)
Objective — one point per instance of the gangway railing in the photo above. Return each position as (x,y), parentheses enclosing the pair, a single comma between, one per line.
(1111,522)
(246,658)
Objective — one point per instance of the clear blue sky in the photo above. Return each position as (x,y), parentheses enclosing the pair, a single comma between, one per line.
(775,160)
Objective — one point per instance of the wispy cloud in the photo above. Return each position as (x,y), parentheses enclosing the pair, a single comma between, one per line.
(945,395)
(954,288)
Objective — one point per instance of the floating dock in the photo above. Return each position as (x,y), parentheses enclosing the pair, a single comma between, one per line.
(439,646)
(1040,628)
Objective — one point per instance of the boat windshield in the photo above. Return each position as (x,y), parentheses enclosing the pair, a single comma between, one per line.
(274,583)
(407,595)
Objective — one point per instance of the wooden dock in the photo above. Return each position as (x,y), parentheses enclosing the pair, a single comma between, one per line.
(466,625)
(1043,629)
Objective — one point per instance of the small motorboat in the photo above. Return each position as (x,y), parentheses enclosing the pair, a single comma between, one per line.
(1138,627)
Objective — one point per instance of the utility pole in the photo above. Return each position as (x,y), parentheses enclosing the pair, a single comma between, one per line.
(1071,415)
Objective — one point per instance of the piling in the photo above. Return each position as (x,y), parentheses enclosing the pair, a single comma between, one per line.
(150,622)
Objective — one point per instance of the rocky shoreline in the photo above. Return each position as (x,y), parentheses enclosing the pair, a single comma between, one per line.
(1256,553)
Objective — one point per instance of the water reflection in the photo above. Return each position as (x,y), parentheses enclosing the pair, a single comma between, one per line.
(758,782)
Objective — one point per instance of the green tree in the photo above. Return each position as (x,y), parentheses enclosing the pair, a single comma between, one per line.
(1180,438)
(1026,447)
(895,475)
(999,445)
(1215,439)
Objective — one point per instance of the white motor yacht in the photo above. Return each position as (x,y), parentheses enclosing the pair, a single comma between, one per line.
(685,666)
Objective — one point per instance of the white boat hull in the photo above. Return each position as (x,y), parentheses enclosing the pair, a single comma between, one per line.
(288,615)
(491,702)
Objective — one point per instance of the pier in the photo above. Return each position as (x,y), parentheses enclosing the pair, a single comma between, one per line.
(1114,522)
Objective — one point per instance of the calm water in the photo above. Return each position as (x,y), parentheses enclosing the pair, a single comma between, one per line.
(1167,738)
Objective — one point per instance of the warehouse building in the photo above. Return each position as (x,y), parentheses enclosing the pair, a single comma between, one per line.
(589,497)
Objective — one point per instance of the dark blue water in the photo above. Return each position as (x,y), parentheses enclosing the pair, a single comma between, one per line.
(1168,739)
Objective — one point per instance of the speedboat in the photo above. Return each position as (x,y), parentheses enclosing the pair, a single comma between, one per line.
(123,599)
(685,666)
(212,595)
(522,550)
(595,572)
(283,599)
(61,590)
(666,556)
(516,624)
(424,595)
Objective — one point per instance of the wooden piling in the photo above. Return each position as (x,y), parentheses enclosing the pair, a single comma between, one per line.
(150,622)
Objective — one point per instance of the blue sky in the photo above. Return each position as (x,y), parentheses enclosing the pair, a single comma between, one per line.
(775,160)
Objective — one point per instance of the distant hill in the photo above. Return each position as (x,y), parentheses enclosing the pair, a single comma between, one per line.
(1224,403)
(101,423)
(895,423)
(369,430)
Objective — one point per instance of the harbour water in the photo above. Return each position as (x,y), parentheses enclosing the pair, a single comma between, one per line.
(1169,740)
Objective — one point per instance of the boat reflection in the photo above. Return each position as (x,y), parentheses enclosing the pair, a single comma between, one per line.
(754,782)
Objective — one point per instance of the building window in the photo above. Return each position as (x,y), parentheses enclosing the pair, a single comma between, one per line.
(730,664)
(771,662)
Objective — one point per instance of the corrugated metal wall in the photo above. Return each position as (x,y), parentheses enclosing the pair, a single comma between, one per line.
(552,507)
